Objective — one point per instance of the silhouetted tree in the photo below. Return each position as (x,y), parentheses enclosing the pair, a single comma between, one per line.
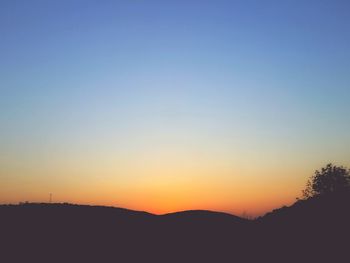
(329,179)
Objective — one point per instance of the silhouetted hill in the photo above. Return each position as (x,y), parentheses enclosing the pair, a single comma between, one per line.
(314,230)
(203,217)
(310,230)
(201,214)
(99,234)
(317,209)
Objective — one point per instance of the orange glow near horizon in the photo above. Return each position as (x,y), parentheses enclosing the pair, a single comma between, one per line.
(159,190)
(161,202)
(161,181)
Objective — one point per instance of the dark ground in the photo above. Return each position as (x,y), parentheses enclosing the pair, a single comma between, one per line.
(315,230)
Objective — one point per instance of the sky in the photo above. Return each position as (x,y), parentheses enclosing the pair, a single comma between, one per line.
(172,105)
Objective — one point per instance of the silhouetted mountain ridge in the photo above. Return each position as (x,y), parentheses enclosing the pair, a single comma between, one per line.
(310,230)
(116,211)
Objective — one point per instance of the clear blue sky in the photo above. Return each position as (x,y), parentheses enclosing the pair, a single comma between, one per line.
(198,89)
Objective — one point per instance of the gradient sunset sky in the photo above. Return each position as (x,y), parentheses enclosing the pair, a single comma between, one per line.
(172,105)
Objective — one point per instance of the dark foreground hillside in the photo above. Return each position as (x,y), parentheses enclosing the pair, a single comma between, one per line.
(316,230)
